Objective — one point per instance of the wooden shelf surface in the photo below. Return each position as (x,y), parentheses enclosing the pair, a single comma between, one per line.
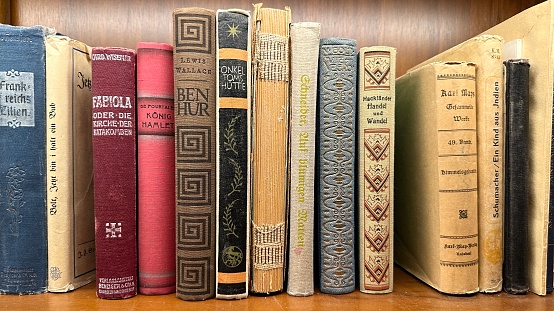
(409,294)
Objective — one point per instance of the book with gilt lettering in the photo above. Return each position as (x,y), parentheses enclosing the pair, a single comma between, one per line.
(114,167)
(23,237)
(155,169)
(304,65)
(436,217)
(233,101)
(70,205)
(336,203)
(375,147)
(270,109)
(195,72)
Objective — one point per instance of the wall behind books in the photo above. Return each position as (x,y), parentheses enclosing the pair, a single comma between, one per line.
(419,29)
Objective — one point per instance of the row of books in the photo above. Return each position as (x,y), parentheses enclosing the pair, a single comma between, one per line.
(233,162)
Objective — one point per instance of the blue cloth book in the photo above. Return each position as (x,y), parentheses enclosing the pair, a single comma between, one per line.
(23,246)
(337,133)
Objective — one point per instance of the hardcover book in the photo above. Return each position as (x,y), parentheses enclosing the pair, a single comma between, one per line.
(233,153)
(23,247)
(486,52)
(269,147)
(517,174)
(70,205)
(375,147)
(304,65)
(195,151)
(337,87)
(534,27)
(114,166)
(436,224)
(156,169)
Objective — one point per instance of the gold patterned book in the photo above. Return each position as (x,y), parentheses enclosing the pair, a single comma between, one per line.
(269,146)
(436,218)
(376,104)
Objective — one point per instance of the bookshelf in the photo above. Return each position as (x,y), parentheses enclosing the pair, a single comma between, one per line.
(419,29)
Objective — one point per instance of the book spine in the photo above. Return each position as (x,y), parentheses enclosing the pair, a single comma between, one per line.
(114,162)
(517,173)
(304,65)
(375,146)
(490,146)
(269,147)
(337,119)
(233,153)
(457,177)
(23,247)
(195,154)
(156,169)
(70,209)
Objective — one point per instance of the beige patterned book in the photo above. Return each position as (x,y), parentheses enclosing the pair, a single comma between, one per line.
(269,147)
(304,66)
(376,119)
(70,209)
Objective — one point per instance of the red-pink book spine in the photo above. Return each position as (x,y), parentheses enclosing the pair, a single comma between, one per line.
(156,168)
(114,165)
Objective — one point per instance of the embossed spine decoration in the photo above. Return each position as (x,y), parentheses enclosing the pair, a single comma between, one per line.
(194,60)
(376,87)
(23,234)
(337,119)
(115,174)
(233,153)
(304,66)
(269,146)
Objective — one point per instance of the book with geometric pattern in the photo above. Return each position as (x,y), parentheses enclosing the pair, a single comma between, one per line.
(375,146)
(233,153)
(337,157)
(194,62)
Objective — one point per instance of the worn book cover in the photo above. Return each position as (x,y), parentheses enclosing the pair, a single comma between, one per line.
(233,153)
(436,216)
(517,174)
(304,66)
(269,146)
(486,52)
(195,72)
(375,177)
(114,166)
(337,87)
(70,205)
(156,169)
(23,238)
(535,28)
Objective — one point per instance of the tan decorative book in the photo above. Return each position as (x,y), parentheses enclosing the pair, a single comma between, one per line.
(376,120)
(70,208)
(486,52)
(436,219)
(534,27)
(304,66)
(269,146)
(194,57)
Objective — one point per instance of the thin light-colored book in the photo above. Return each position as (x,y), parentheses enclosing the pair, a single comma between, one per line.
(304,66)
(70,208)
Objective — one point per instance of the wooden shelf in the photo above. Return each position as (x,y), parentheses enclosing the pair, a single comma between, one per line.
(419,29)
(408,294)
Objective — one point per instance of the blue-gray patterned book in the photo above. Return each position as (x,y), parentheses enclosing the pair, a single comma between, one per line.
(23,247)
(336,162)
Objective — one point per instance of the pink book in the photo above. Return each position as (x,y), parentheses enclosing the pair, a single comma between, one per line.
(114,165)
(156,169)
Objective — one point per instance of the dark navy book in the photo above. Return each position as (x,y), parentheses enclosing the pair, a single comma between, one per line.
(23,252)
